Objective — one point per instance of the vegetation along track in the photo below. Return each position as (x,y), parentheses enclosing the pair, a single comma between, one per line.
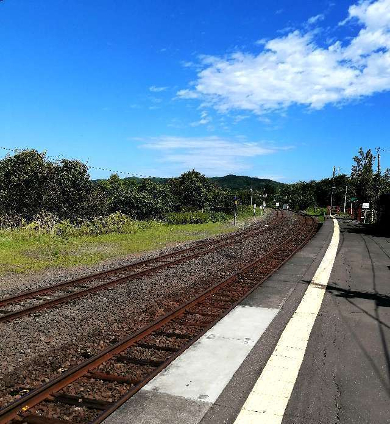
(48,297)
(93,389)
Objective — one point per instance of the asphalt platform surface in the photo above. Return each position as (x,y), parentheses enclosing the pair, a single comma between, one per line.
(345,376)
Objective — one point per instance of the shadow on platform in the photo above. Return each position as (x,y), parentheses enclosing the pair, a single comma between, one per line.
(368,229)
(380,301)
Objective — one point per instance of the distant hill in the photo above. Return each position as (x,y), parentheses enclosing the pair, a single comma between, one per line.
(233,182)
(240,182)
(157,180)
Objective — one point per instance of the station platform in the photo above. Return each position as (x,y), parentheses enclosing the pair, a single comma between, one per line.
(337,364)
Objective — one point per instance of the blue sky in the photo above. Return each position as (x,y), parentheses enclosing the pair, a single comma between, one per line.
(274,89)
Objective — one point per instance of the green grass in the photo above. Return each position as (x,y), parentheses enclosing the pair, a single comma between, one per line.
(317,212)
(28,251)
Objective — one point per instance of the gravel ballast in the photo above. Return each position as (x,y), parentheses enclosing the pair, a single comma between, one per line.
(38,347)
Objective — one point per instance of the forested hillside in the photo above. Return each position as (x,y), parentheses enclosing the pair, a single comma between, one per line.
(231,182)
(240,182)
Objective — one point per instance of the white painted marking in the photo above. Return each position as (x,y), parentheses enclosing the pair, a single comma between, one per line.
(203,371)
(269,398)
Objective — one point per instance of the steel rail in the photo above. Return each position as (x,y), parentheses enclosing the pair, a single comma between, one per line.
(105,285)
(33,398)
(199,244)
(131,393)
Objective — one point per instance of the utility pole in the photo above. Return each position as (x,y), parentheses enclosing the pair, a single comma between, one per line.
(345,198)
(235,210)
(378,150)
(331,194)
(251,196)
(378,183)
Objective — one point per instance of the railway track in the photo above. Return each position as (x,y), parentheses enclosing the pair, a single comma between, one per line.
(49,297)
(92,390)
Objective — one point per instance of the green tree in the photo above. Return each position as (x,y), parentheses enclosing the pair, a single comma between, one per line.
(70,191)
(302,195)
(24,183)
(143,199)
(119,195)
(153,201)
(362,177)
(385,183)
(192,191)
(31,184)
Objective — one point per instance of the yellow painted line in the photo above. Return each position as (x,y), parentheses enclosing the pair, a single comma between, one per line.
(268,400)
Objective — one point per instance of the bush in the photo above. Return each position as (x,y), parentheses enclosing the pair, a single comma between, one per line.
(11,221)
(43,222)
(47,223)
(219,217)
(114,223)
(316,211)
(245,211)
(197,217)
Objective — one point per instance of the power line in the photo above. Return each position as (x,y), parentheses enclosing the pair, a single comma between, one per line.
(97,168)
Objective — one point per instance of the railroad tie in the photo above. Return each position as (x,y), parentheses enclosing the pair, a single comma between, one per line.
(112,377)
(140,361)
(80,401)
(38,419)
(172,334)
(155,347)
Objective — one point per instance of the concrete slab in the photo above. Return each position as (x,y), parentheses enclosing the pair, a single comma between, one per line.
(159,408)
(203,371)
(186,390)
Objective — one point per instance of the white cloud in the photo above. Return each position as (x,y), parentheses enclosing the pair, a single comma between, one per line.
(261,42)
(314,19)
(204,119)
(286,30)
(188,94)
(155,89)
(373,15)
(294,69)
(188,64)
(211,155)
(273,177)
(239,118)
